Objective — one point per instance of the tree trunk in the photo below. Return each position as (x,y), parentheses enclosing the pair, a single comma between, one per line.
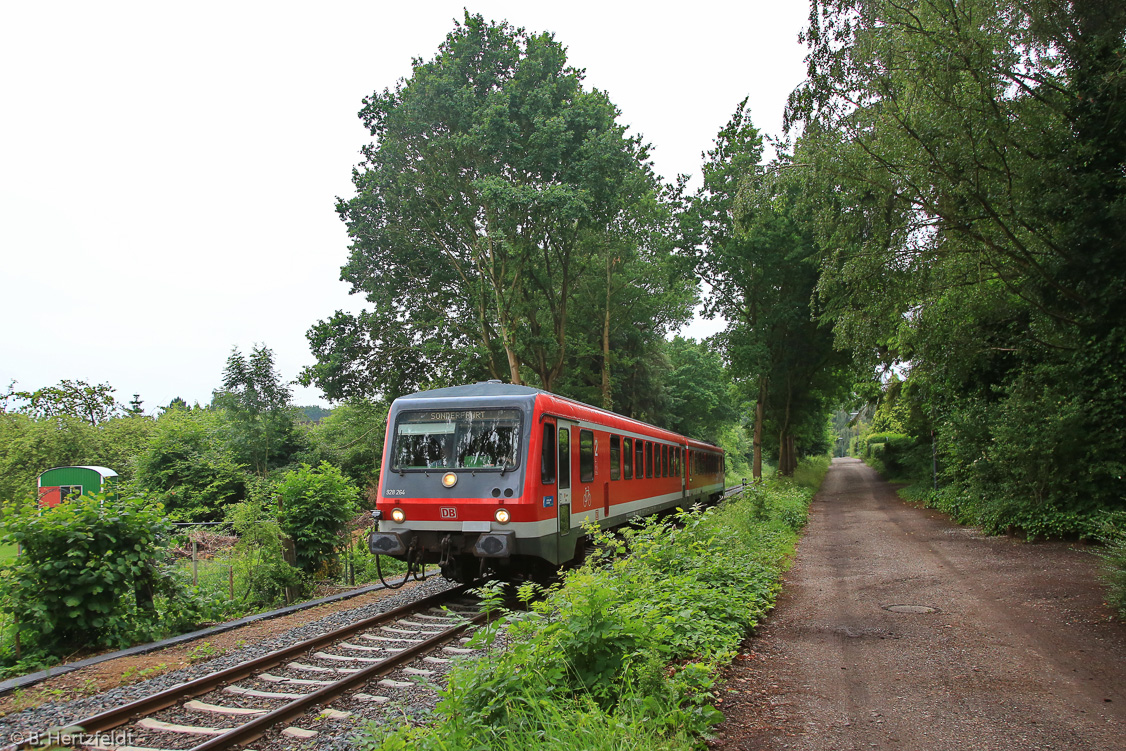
(785,440)
(607,397)
(760,408)
(513,365)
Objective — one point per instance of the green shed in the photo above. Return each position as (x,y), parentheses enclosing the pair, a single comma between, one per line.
(60,483)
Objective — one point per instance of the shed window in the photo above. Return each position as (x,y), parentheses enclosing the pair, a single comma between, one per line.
(615,457)
(627,456)
(66,492)
(586,456)
(547,455)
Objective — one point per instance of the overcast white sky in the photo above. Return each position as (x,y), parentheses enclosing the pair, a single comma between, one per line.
(168,172)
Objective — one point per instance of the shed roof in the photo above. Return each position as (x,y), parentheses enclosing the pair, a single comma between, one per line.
(103,471)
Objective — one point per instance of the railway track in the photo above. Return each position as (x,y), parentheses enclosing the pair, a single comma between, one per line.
(366,662)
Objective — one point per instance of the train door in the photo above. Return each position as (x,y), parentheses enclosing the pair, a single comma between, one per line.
(564,505)
(681,469)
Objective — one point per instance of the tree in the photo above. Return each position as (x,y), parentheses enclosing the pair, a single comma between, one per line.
(257,403)
(351,438)
(177,403)
(190,467)
(698,388)
(971,210)
(317,503)
(495,187)
(94,404)
(760,260)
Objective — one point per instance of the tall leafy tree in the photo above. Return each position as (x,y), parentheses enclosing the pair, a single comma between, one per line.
(760,260)
(189,466)
(699,390)
(496,184)
(351,438)
(971,206)
(94,403)
(257,401)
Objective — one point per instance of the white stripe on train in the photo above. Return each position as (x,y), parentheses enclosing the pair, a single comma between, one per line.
(621,512)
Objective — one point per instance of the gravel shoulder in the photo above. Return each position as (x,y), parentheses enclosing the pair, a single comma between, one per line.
(1020,651)
(64,699)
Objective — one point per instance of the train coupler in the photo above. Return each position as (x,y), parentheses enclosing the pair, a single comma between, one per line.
(445,558)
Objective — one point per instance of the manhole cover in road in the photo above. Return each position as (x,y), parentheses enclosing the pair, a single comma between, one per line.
(910,609)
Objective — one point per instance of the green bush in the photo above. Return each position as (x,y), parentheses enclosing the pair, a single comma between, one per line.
(1113,535)
(189,467)
(261,571)
(633,643)
(317,503)
(90,573)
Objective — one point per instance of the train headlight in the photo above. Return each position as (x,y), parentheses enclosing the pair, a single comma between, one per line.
(449,479)
(502,516)
(398,516)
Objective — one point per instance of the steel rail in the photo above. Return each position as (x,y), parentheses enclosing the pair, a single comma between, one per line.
(259,726)
(113,718)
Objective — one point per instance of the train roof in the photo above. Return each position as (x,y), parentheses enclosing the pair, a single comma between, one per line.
(483,388)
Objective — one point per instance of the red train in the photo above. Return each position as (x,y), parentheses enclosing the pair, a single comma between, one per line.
(500,477)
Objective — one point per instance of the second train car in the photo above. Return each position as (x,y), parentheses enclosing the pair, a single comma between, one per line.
(494,476)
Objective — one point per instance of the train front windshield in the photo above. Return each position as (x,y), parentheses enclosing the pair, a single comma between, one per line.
(457,439)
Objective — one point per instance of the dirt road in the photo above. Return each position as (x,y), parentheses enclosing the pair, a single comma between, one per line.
(1019,653)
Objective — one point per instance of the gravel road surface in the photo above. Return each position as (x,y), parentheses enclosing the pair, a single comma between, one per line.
(1020,651)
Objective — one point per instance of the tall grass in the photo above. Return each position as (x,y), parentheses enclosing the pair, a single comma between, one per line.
(811,471)
(1114,562)
(625,653)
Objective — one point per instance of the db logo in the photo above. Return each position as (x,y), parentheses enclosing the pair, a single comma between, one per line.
(448,512)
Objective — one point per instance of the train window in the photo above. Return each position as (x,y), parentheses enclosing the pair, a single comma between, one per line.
(648,458)
(547,455)
(627,459)
(564,458)
(639,458)
(665,461)
(457,439)
(615,457)
(676,461)
(586,456)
